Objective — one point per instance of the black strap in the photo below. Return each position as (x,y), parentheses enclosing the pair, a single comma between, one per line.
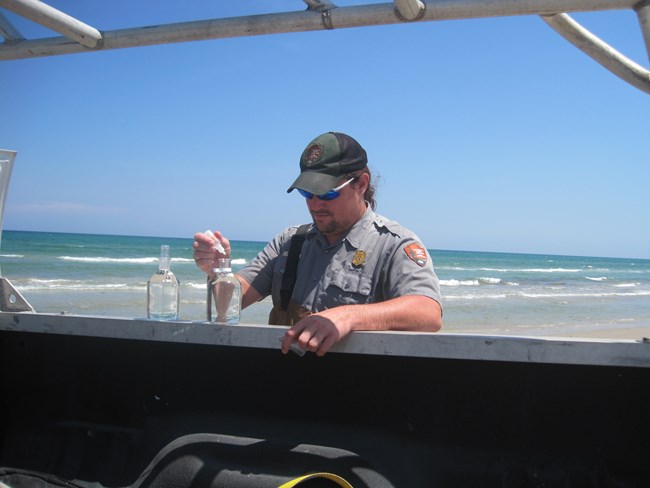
(289,275)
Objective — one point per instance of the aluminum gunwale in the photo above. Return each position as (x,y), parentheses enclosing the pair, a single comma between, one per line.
(599,352)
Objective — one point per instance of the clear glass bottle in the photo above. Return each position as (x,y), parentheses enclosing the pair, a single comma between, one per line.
(163,291)
(224,295)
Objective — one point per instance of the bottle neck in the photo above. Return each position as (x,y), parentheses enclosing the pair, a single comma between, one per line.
(163,267)
(223,266)
(163,263)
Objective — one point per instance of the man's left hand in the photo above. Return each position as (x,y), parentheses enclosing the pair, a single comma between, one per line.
(320,331)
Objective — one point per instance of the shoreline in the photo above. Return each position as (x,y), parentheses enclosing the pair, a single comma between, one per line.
(610,332)
(633,333)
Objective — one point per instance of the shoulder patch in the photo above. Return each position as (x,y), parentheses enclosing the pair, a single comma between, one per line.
(416,253)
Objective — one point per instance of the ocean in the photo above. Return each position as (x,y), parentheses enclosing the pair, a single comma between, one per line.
(484,293)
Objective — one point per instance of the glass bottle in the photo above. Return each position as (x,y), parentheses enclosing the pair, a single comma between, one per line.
(224,295)
(163,291)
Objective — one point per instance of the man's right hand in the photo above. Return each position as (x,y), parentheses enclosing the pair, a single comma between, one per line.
(205,250)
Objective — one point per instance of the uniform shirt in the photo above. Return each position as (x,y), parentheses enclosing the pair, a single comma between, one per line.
(376,261)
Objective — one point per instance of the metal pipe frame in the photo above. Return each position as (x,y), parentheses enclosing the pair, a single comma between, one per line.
(600,51)
(56,20)
(300,21)
(410,10)
(8,31)
(322,15)
(643,13)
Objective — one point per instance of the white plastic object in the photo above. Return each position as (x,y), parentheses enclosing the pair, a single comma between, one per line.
(217,243)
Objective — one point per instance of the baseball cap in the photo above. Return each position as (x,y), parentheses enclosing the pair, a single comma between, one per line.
(326,159)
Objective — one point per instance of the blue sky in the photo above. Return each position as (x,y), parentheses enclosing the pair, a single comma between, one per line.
(486,134)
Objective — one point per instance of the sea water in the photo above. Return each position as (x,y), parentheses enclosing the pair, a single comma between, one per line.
(491,293)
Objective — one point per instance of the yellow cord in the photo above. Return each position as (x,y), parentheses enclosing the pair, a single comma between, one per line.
(336,479)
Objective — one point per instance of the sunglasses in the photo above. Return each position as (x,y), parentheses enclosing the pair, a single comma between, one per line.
(330,195)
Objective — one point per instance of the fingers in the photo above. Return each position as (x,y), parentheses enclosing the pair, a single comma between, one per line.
(288,339)
(202,240)
(217,241)
(314,333)
(208,248)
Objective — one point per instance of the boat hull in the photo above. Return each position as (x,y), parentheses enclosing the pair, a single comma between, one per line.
(125,411)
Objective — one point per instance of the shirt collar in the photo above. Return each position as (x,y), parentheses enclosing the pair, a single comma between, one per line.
(360,229)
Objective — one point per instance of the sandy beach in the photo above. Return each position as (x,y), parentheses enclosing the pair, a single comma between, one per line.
(633,333)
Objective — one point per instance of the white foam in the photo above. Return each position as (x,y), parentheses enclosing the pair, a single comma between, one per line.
(100,259)
(470,296)
(480,281)
(550,270)
(516,270)
(76,286)
(197,286)
(459,282)
(490,281)
(38,281)
(585,295)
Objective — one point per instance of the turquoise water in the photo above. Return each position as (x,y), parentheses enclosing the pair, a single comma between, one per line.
(495,293)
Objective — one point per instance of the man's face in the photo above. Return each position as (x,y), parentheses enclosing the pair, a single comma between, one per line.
(334,218)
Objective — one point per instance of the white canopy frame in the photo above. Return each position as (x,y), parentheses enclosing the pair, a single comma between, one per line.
(79,37)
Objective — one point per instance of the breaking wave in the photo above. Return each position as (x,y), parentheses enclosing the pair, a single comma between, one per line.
(101,259)
(477,282)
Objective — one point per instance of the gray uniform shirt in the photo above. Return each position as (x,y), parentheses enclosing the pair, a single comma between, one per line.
(378,260)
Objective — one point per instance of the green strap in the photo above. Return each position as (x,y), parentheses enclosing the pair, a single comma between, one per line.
(330,476)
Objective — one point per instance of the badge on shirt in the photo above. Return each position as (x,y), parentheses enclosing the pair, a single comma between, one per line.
(359,258)
(416,253)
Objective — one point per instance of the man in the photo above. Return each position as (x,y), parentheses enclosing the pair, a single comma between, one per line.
(356,269)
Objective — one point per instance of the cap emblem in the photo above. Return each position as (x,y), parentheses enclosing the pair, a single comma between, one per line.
(417,254)
(313,153)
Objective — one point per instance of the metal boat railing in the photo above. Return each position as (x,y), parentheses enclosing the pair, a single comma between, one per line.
(10,299)
(321,15)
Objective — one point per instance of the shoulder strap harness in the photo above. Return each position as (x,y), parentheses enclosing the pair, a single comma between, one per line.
(289,275)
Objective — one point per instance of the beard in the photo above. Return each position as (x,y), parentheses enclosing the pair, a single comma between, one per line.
(331,226)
